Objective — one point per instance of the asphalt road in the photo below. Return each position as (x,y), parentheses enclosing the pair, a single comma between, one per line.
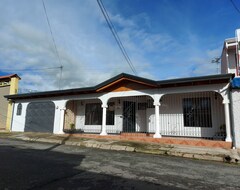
(25,165)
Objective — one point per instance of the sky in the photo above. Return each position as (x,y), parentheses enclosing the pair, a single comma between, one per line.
(164,39)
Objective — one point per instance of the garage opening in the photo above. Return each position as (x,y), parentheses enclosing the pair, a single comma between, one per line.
(40,117)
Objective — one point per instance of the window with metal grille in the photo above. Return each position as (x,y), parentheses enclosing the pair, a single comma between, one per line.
(19,109)
(110,114)
(197,112)
(93,114)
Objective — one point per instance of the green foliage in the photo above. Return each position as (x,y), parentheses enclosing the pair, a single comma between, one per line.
(72,126)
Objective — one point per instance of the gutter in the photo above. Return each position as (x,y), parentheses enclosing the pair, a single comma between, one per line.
(12,115)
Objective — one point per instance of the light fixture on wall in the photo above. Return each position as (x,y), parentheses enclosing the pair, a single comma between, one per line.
(111,107)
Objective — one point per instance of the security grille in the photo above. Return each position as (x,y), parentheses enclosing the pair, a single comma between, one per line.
(185,115)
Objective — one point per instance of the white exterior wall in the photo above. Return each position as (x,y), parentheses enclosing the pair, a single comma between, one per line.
(172,118)
(228,60)
(231,61)
(18,121)
(146,122)
(118,118)
(224,62)
(80,118)
(235,105)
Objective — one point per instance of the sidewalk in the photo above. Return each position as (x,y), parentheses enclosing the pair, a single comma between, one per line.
(202,153)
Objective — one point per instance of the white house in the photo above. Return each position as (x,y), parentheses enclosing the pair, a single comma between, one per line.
(188,107)
(199,107)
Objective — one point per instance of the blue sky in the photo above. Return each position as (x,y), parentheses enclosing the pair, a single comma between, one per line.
(164,39)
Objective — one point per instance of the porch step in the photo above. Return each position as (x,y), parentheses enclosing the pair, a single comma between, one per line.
(137,134)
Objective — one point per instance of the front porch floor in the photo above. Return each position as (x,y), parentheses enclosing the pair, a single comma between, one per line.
(142,137)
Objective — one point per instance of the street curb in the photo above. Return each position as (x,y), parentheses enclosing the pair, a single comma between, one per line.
(229,156)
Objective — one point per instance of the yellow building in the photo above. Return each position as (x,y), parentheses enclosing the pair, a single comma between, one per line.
(8,85)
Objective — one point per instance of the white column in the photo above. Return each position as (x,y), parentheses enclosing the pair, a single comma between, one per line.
(104,115)
(59,116)
(227,120)
(157,132)
(62,112)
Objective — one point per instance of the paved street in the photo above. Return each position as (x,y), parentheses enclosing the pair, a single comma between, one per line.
(46,166)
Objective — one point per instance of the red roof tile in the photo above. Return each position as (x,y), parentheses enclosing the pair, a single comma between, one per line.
(9,76)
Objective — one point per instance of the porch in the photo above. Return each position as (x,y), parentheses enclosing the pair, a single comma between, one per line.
(198,115)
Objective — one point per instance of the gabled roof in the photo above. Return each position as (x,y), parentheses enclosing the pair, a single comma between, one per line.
(211,79)
(8,77)
(126,77)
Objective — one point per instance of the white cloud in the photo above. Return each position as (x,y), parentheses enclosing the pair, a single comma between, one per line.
(87,49)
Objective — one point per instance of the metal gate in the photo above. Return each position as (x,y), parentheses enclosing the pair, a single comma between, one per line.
(129,119)
(40,117)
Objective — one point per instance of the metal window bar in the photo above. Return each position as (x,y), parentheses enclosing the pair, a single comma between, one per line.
(136,115)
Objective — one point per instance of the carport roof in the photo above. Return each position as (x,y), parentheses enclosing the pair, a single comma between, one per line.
(211,79)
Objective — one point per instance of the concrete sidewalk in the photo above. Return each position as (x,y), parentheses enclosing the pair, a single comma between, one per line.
(203,153)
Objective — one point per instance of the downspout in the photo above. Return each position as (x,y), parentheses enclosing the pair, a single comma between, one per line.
(231,119)
(12,115)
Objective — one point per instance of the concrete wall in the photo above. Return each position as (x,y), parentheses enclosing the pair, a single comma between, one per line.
(235,105)
(4,90)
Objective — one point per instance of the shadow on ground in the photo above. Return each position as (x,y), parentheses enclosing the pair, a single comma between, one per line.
(62,142)
(23,168)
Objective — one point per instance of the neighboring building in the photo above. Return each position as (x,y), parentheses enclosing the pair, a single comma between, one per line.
(8,85)
(229,57)
(230,64)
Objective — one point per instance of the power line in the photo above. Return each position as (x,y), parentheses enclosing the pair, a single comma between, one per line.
(54,43)
(235,6)
(33,69)
(114,32)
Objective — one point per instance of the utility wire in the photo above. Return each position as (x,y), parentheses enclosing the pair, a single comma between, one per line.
(235,6)
(54,43)
(33,69)
(114,32)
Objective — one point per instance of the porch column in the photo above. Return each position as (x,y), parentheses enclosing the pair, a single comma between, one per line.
(227,120)
(157,132)
(104,115)
(62,113)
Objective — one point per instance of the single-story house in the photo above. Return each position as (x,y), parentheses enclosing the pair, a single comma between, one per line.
(196,107)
